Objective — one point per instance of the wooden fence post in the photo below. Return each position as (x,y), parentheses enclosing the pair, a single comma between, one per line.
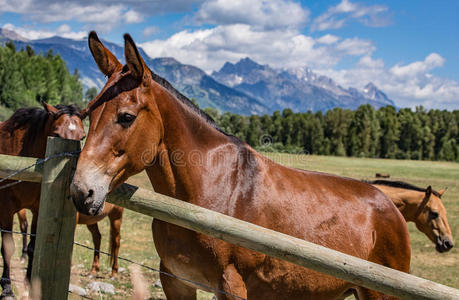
(56,221)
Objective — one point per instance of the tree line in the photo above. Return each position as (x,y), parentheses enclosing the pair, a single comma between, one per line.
(366,132)
(27,78)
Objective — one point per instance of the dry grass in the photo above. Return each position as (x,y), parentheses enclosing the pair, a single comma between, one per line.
(137,242)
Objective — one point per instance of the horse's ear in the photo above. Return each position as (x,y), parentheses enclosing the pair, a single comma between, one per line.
(442,191)
(49,108)
(106,61)
(428,191)
(134,61)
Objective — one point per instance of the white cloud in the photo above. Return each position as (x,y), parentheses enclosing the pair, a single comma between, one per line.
(131,16)
(370,63)
(418,68)
(64,28)
(33,34)
(345,7)
(211,48)
(102,16)
(337,16)
(150,30)
(408,85)
(328,39)
(266,14)
(356,47)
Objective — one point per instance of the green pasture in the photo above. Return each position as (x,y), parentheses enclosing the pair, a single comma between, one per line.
(137,242)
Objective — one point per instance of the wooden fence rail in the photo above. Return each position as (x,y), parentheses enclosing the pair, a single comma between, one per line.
(247,235)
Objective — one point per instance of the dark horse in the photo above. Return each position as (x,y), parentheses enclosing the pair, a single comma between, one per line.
(25,134)
(139,121)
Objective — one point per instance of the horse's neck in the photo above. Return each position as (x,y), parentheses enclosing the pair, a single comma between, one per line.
(183,162)
(407,201)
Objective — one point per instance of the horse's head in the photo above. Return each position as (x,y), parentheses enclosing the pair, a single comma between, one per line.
(125,127)
(65,121)
(431,219)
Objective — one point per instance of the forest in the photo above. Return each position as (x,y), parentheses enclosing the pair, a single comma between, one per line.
(27,78)
(384,133)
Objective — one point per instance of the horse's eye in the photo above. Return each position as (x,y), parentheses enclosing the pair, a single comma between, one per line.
(433,215)
(125,119)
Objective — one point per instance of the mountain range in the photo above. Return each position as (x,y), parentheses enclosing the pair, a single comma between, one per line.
(299,88)
(245,87)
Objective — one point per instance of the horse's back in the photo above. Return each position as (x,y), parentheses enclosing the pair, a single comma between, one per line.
(309,204)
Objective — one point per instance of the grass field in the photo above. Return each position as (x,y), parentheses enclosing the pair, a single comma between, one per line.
(137,242)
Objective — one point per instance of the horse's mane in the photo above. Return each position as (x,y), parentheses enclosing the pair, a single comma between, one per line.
(71,110)
(401,185)
(35,118)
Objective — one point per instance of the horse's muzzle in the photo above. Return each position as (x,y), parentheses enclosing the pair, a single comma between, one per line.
(86,200)
(444,244)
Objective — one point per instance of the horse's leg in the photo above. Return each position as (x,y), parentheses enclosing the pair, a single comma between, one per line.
(23,224)
(232,284)
(6,223)
(31,246)
(174,288)
(115,216)
(96,237)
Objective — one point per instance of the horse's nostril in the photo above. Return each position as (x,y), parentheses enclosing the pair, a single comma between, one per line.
(90,193)
(448,244)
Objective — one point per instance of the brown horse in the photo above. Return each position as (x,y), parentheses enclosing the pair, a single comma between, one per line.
(114,213)
(25,134)
(421,206)
(139,121)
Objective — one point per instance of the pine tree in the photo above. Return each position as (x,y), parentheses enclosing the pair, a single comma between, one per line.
(390,130)
(91,93)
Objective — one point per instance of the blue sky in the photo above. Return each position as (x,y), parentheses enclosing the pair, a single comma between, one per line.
(409,49)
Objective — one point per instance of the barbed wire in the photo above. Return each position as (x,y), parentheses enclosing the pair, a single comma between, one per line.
(17,232)
(39,162)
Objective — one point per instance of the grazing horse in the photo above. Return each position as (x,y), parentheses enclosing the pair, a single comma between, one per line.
(25,134)
(421,206)
(140,122)
(114,213)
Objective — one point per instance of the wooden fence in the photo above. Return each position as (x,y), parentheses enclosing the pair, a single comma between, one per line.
(57,221)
